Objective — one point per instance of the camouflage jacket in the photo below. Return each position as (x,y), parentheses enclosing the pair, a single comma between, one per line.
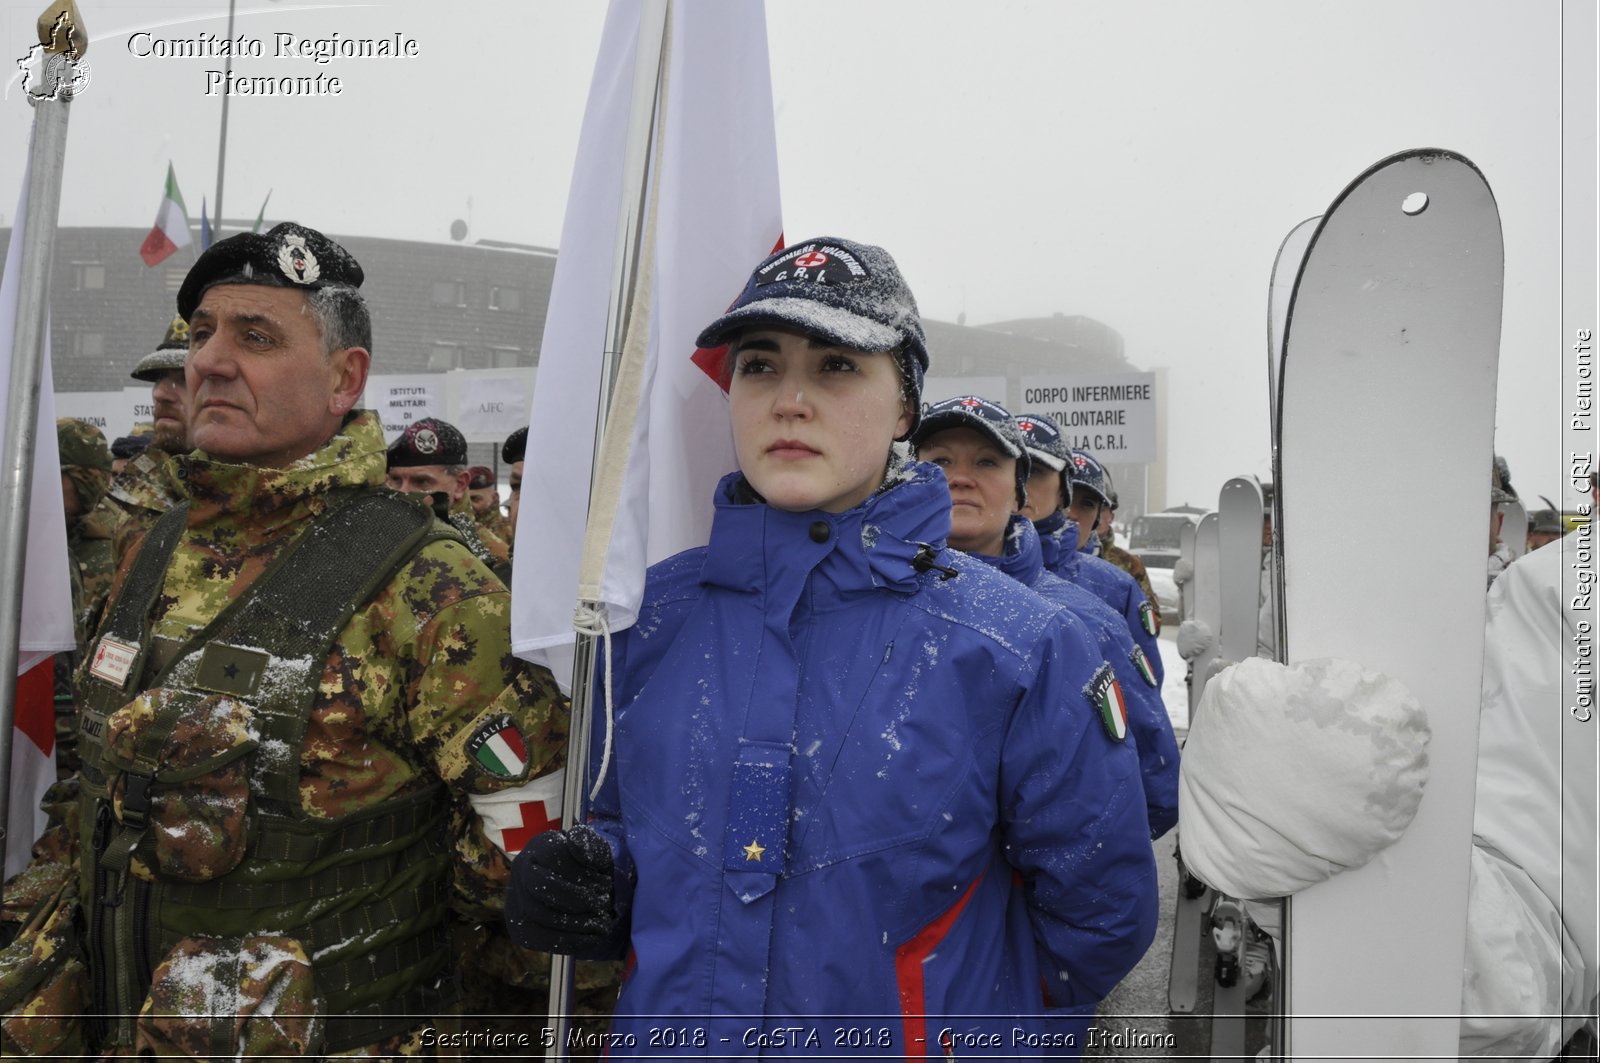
(89,544)
(496,551)
(415,675)
(1134,567)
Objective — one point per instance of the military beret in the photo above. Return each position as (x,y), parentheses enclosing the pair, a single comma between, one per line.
(170,355)
(129,446)
(429,441)
(285,256)
(479,477)
(515,447)
(81,444)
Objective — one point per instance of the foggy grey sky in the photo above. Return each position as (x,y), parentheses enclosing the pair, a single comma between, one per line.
(1135,162)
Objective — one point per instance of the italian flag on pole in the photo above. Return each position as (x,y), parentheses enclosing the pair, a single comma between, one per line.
(171,230)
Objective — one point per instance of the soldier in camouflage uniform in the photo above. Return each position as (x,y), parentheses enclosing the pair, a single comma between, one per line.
(85,474)
(512,451)
(1128,562)
(137,495)
(299,699)
(430,458)
(485,496)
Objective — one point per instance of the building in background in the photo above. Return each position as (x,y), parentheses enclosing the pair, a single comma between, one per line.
(481,305)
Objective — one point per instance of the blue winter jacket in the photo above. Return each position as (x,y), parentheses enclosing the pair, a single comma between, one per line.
(860,798)
(1148,723)
(1058,538)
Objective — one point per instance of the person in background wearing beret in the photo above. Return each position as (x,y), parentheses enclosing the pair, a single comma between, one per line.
(126,448)
(512,452)
(430,458)
(484,495)
(854,778)
(305,740)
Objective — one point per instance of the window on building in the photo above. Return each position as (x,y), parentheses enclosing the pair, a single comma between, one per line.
(89,344)
(88,276)
(506,357)
(505,298)
(444,356)
(449,293)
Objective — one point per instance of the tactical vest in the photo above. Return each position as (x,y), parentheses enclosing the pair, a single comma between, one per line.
(192,762)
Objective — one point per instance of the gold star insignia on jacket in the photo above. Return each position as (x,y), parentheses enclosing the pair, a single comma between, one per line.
(754,850)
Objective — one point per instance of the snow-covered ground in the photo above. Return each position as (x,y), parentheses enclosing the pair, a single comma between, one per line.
(1174,691)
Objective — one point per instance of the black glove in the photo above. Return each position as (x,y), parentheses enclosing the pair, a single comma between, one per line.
(560,899)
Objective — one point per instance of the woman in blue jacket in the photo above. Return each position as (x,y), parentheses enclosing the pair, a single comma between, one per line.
(988,465)
(860,800)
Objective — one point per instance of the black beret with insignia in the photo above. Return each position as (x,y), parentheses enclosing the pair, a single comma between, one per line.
(285,256)
(515,448)
(429,441)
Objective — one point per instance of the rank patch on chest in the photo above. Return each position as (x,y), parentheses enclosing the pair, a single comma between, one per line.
(1105,694)
(229,669)
(498,749)
(113,660)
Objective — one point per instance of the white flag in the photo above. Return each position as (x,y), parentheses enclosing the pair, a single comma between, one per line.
(46,586)
(715,189)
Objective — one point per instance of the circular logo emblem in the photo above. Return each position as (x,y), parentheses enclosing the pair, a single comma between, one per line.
(296,261)
(811,260)
(426,441)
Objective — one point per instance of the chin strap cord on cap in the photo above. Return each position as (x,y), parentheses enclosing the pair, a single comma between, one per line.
(589,618)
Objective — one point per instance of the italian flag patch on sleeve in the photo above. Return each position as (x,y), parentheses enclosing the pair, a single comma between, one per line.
(1142,664)
(498,749)
(1105,694)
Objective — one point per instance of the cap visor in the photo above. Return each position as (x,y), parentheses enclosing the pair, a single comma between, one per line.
(831,323)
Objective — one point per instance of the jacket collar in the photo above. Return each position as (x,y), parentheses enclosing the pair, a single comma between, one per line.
(266,498)
(1058,541)
(756,548)
(1023,560)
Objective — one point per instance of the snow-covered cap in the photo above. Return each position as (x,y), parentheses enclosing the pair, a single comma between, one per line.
(984,417)
(1086,472)
(286,256)
(837,290)
(169,355)
(1042,436)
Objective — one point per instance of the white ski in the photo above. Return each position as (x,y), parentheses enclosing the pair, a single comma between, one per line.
(1239,509)
(1202,600)
(1391,348)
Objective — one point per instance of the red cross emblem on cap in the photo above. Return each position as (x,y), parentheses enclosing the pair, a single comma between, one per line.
(971,403)
(811,259)
(1025,424)
(1080,461)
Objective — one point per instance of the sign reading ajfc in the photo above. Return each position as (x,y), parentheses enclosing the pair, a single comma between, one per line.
(1111,415)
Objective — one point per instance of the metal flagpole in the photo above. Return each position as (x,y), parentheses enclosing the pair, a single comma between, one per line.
(62,34)
(642,115)
(222,141)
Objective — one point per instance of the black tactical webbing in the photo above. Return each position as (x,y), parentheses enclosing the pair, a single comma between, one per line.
(297,607)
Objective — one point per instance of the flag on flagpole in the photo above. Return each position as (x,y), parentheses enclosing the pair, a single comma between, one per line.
(46,585)
(262,213)
(205,226)
(715,169)
(171,230)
